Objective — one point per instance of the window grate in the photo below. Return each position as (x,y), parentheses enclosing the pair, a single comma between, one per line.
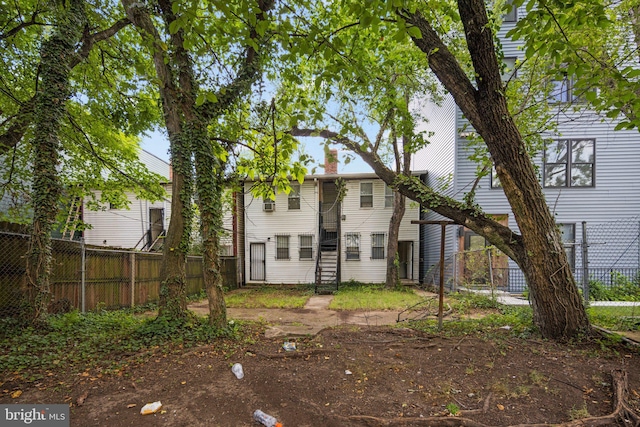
(282,247)
(352,246)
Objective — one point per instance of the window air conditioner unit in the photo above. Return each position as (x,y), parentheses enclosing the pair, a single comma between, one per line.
(269,206)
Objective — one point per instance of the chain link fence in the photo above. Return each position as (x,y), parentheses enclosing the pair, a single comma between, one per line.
(89,278)
(608,253)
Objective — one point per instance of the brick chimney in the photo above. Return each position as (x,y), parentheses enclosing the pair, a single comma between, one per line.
(331,162)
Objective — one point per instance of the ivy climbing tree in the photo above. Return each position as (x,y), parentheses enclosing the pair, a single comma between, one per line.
(59,142)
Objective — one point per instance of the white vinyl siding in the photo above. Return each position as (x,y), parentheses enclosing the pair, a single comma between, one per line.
(123,228)
(262,227)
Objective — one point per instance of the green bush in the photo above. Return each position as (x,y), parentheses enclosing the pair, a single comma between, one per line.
(621,289)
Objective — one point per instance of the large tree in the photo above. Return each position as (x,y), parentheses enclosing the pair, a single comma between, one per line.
(193,110)
(50,57)
(537,248)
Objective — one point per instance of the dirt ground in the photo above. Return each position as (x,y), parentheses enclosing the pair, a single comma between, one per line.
(348,374)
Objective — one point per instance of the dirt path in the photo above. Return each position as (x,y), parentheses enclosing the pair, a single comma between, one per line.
(309,320)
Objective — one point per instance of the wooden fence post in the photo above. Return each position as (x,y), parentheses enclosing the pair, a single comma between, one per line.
(132,265)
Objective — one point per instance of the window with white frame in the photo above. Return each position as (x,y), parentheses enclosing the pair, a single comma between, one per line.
(366,194)
(294,196)
(377,245)
(388,197)
(282,246)
(305,246)
(352,246)
(569,163)
(568,234)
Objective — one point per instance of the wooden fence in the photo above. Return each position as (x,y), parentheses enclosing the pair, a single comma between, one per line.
(110,278)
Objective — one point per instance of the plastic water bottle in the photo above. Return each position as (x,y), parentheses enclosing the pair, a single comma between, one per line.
(237,370)
(265,419)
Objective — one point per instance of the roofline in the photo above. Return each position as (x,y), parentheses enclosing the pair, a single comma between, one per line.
(345,176)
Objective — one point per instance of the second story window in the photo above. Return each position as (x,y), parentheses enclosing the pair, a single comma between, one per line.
(388,197)
(294,196)
(282,246)
(569,163)
(511,14)
(366,194)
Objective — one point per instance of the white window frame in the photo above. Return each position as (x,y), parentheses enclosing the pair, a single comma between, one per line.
(307,247)
(365,196)
(376,247)
(352,246)
(283,246)
(389,195)
(293,201)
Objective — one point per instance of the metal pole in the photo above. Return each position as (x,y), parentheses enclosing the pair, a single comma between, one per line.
(83,259)
(441,291)
(585,264)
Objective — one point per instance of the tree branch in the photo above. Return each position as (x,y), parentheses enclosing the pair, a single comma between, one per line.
(499,235)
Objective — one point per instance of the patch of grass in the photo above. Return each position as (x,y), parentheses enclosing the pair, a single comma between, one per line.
(465,301)
(453,409)
(619,318)
(373,297)
(106,340)
(510,320)
(267,297)
(579,413)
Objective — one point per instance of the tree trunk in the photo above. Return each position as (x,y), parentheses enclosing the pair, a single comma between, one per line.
(557,307)
(210,175)
(173,300)
(393,268)
(54,91)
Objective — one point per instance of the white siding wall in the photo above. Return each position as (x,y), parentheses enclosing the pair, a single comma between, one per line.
(262,227)
(123,228)
(373,220)
(154,164)
(439,160)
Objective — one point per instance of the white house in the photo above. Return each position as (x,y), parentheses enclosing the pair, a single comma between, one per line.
(589,173)
(312,235)
(141,224)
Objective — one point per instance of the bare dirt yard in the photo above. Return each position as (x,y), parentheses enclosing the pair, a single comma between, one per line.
(352,375)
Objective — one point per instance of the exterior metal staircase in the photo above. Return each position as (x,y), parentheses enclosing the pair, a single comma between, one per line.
(328,259)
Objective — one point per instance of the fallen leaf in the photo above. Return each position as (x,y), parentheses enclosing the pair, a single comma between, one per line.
(183,382)
(500,407)
(80,400)
(16,394)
